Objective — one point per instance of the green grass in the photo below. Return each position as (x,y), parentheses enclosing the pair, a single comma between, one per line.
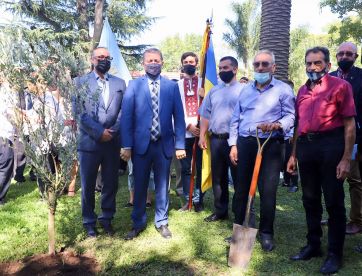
(196,247)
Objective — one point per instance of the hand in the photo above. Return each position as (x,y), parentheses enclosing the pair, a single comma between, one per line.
(202,143)
(106,136)
(126,154)
(194,130)
(268,127)
(292,165)
(180,154)
(201,92)
(343,169)
(234,155)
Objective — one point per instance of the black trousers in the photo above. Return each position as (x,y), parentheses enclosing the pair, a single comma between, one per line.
(291,179)
(6,166)
(318,159)
(267,183)
(220,164)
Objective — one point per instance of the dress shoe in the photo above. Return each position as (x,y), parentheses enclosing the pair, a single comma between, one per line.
(198,207)
(267,244)
(306,253)
(128,205)
(352,228)
(148,204)
(19,178)
(184,208)
(285,184)
(293,189)
(164,231)
(331,265)
(133,233)
(215,217)
(107,227)
(91,231)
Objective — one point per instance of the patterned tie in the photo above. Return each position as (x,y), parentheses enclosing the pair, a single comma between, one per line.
(155,130)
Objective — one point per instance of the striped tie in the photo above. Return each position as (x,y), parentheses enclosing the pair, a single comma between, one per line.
(155,129)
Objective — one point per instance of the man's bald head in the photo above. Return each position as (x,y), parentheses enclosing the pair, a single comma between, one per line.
(347,46)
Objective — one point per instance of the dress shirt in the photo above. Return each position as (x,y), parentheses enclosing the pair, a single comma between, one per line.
(7,106)
(104,86)
(275,103)
(219,104)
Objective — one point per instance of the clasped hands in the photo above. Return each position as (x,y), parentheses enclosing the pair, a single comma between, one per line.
(127,153)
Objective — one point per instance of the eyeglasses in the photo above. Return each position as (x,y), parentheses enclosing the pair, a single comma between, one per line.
(264,64)
(103,58)
(347,54)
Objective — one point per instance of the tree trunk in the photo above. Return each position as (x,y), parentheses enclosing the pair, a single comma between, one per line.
(98,22)
(51,222)
(275,33)
(83,18)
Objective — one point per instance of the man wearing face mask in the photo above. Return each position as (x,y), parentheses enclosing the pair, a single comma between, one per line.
(346,57)
(267,104)
(323,142)
(153,130)
(98,114)
(215,112)
(189,88)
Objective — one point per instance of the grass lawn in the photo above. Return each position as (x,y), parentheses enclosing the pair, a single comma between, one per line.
(196,247)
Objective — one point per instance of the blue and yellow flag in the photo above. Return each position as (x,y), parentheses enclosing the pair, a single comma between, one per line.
(209,79)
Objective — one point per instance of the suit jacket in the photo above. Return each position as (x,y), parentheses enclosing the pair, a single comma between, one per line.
(355,79)
(93,115)
(136,118)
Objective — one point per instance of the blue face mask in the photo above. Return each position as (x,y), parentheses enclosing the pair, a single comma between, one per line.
(262,78)
(315,76)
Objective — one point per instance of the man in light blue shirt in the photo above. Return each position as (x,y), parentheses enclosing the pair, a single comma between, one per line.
(216,112)
(267,104)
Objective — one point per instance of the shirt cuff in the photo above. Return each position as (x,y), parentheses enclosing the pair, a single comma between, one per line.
(232,141)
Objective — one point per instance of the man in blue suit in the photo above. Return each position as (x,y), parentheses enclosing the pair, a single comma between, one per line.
(153,126)
(98,115)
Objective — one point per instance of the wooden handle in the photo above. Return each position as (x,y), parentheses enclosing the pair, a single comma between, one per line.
(254,180)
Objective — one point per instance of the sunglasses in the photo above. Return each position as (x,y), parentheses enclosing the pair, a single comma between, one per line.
(264,64)
(103,58)
(347,54)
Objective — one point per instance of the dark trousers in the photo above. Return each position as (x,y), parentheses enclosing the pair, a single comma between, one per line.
(267,183)
(220,163)
(290,179)
(108,159)
(318,159)
(186,171)
(20,158)
(6,166)
(142,164)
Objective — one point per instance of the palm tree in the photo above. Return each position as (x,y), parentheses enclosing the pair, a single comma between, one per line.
(243,37)
(275,32)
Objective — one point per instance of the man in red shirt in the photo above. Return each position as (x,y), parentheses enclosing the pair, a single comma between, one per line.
(323,142)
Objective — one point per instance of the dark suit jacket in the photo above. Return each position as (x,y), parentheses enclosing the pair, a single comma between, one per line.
(92,114)
(355,79)
(136,118)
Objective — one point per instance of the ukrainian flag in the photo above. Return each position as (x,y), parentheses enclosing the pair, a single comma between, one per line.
(209,75)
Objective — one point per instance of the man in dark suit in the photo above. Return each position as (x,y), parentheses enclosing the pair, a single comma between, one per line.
(346,57)
(98,114)
(153,126)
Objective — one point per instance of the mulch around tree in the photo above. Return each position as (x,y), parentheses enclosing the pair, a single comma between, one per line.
(65,263)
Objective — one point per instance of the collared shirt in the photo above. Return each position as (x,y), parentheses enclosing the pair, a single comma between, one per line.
(103,86)
(7,106)
(324,107)
(218,106)
(275,103)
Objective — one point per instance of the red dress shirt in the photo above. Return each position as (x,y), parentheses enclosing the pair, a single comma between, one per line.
(324,107)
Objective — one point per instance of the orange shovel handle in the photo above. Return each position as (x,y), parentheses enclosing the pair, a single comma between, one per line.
(254,180)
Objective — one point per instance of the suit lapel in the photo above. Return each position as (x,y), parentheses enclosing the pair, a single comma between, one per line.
(111,90)
(163,88)
(146,90)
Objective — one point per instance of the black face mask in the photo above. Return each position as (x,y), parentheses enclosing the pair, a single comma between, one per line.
(345,65)
(103,66)
(226,76)
(189,69)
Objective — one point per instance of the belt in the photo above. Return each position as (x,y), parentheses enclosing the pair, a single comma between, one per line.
(220,135)
(321,134)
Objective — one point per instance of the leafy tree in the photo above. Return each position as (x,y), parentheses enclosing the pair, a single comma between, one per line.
(244,32)
(173,47)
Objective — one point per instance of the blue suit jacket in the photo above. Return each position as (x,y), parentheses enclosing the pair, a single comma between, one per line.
(92,115)
(136,118)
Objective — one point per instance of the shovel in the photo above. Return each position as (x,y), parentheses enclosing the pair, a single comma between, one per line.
(243,238)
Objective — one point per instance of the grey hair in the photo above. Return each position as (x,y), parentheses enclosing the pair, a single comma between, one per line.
(351,44)
(268,52)
(152,50)
(97,49)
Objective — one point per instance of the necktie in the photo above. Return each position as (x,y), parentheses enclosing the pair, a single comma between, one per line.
(155,129)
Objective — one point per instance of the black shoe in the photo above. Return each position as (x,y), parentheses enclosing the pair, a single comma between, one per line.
(128,205)
(267,244)
(164,231)
(331,264)
(293,189)
(148,204)
(19,178)
(133,233)
(284,184)
(215,217)
(91,231)
(107,227)
(198,207)
(306,253)
(32,176)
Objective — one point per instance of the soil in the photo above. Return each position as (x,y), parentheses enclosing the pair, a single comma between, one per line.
(65,263)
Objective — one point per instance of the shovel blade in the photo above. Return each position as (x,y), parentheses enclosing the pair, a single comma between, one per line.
(241,246)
